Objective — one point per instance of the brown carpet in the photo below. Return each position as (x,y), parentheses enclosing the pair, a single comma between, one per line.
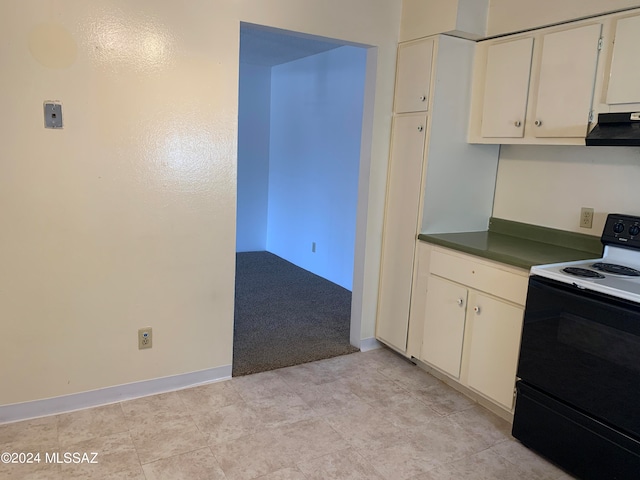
(285,315)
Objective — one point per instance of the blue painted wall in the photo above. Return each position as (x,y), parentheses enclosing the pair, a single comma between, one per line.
(316,124)
(253,157)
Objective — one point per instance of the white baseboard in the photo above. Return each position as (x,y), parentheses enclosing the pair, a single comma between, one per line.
(370,343)
(103,396)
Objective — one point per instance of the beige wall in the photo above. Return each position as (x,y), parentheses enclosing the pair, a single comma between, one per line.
(547,185)
(126,217)
(506,16)
(422,18)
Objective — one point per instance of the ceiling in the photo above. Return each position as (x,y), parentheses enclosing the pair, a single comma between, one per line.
(268,46)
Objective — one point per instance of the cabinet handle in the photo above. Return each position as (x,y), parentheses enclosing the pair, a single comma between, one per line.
(476,309)
(517,123)
(420,128)
(422,98)
(538,123)
(460,302)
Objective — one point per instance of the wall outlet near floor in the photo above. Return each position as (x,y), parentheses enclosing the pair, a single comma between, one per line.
(145,338)
(586,217)
(313,247)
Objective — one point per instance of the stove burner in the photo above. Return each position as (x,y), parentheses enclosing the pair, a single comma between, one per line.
(616,269)
(582,272)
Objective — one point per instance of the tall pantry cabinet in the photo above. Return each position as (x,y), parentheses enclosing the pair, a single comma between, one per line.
(436,181)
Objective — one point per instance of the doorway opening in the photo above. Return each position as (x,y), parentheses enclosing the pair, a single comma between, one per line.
(300,123)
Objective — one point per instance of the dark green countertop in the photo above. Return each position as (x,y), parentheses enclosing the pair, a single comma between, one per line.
(520,244)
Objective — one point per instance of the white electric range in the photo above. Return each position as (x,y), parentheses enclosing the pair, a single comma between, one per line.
(617,273)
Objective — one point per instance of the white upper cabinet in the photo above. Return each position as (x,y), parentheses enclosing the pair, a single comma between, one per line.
(624,76)
(536,88)
(507,88)
(566,82)
(413,76)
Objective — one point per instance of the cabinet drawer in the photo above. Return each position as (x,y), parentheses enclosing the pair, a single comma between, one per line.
(483,277)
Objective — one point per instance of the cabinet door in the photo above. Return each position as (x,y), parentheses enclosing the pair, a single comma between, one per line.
(444,325)
(624,78)
(413,77)
(494,345)
(506,88)
(566,82)
(400,228)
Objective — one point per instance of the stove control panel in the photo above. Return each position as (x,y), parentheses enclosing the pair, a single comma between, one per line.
(622,231)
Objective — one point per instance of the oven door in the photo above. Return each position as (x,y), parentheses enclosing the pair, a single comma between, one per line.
(583,349)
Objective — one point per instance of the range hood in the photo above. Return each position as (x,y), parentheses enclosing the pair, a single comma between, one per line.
(615,129)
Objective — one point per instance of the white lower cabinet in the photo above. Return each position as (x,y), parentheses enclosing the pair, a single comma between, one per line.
(444,325)
(473,322)
(494,329)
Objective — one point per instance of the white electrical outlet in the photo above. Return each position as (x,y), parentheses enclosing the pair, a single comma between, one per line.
(145,338)
(586,217)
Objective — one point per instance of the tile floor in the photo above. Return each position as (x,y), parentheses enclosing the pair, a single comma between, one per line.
(366,416)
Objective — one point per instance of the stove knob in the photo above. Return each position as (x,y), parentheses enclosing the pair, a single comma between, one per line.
(618,227)
(634,230)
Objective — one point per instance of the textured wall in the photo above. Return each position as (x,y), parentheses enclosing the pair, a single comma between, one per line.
(126,217)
